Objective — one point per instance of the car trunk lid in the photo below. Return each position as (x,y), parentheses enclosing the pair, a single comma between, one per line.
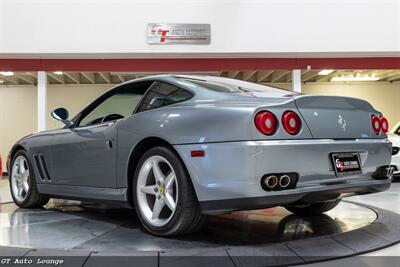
(336,117)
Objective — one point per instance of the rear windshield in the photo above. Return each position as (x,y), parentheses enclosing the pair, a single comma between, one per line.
(226,85)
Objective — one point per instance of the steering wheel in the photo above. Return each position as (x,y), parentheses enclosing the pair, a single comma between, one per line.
(112,117)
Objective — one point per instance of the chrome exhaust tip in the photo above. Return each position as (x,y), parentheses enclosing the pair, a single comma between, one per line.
(284,181)
(390,171)
(271,181)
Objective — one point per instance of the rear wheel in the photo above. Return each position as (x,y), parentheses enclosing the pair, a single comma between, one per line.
(164,196)
(23,183)
(314,208)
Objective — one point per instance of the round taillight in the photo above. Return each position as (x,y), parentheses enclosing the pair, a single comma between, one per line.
(291,122)
(384,124)
(376,124)
(265,122)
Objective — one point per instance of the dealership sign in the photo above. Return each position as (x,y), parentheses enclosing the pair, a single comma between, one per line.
(168,33)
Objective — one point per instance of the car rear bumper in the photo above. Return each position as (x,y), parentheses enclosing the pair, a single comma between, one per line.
(231,172)
(295,196)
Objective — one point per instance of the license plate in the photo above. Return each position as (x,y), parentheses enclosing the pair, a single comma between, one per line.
(346,164)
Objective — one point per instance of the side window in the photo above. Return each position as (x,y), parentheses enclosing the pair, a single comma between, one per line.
(119,105)
(163,94)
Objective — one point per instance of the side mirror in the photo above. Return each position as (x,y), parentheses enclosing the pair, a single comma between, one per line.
(61,114)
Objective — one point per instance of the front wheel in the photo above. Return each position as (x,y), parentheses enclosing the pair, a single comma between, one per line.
(23,184)
(314,208)
(164,196)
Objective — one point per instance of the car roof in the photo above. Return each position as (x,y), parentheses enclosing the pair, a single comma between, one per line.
(199,82)
(230,81)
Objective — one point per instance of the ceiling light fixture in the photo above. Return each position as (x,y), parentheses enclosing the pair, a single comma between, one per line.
(325,72)
(58,72)
(354,79)
(7,73)
(1,81)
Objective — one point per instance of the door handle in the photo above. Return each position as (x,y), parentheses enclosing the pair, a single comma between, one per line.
(104,125)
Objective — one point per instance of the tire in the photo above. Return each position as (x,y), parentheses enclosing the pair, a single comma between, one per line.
(314,208)
(30,197)
(156,186)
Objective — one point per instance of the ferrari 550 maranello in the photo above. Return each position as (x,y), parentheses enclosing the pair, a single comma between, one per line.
(179,147)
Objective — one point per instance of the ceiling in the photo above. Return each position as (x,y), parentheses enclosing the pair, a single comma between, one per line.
(268,76)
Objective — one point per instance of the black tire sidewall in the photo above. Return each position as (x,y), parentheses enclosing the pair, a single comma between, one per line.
(32,178)
(181,177)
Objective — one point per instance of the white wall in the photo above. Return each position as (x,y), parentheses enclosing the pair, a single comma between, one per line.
(17,109)
(88,28)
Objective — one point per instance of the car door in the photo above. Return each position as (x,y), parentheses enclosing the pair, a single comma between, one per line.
(85,154)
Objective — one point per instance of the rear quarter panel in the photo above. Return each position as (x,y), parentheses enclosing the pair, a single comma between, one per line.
(194,124)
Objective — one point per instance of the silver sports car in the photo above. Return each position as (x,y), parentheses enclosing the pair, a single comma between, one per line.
(179,147)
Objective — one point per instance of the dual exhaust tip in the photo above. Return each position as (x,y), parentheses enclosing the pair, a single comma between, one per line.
(274,182)
(384,172)
(390,172)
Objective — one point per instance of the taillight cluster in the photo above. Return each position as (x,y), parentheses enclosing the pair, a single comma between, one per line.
(384,125)
(267,123)
(379,124)
(291,122)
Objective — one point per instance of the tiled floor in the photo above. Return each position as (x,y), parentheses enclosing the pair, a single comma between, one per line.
(5,195)
(389,200)
(107,228)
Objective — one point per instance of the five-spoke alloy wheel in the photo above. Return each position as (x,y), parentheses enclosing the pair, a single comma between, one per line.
(20,178)
(157,190)
(163,194)
(23,183)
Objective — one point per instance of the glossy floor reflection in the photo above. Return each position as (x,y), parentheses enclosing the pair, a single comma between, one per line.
(71,224)
(5,195)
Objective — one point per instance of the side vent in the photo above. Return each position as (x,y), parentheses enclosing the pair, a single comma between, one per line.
(42,168)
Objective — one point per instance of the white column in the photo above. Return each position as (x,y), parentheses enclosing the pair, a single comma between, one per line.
(296,80)
(41,100)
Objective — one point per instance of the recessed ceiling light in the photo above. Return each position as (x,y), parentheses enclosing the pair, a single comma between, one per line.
(354,79)
(1,81)
(325,72)
(7,73)
(58,72)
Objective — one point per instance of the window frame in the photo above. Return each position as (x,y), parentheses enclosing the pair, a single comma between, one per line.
(102,98)
(162,81)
